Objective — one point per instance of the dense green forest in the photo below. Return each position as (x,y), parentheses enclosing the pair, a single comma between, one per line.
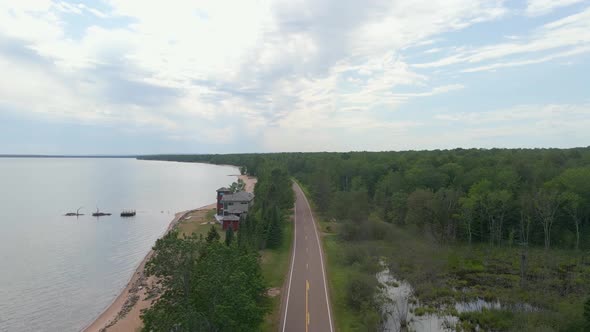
(207,285)
(501,224)
(458,195)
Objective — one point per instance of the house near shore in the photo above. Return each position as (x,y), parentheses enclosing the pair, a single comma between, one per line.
(220,193)
(232,207)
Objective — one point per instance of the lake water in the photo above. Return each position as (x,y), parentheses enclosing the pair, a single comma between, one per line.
(58,273)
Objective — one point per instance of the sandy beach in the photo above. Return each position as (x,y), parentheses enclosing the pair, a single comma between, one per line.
(249,181)
(113,318)
(124,313)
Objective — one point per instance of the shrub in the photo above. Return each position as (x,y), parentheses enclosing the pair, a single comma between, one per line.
(361,290)
(489,319)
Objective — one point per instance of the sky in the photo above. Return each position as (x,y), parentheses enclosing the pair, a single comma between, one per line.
(185,76)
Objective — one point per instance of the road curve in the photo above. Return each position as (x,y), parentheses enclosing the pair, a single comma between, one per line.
(305,305)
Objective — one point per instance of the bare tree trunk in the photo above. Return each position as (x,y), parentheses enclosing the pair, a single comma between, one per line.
(500,224)
(547,232)
(469,231)
(492,227)
(576,219)
(525,223)
(547,204)
(577,233)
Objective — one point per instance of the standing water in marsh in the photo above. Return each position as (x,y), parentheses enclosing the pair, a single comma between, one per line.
(401,308)
(58,273)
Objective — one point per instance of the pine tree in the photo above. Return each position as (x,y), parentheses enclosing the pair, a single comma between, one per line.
(275,230)
(587,315)
(189,273)
(213,235)
(239,237)
(229,236)
(245,233)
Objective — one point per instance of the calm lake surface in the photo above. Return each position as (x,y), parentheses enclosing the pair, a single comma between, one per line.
(58,273)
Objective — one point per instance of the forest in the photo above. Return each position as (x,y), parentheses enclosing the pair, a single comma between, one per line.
(509,225)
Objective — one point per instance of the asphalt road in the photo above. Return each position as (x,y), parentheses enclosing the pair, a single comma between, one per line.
(306,305)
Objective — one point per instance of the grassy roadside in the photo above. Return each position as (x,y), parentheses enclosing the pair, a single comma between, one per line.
(345,319)
(275,265)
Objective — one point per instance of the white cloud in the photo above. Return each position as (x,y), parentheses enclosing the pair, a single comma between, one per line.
(433,50)
(565,54)
(30,20)
(272,68)
(408,23)
(554,125)
(529,114)
(551,125)
(541,7)
(570,32)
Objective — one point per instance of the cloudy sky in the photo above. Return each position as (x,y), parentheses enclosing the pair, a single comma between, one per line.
(130,76)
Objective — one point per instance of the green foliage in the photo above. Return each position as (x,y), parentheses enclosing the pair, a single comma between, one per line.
(397,208)
(274,187)
(321,189)
(426,310)
(576,180)
(202,285)
(498,320)
(413,204)
(390,183)
(229,236)
(351,205)
(361,290)
(417,202)
(347,261)
(230,279)
(237,186)
(173,263)
(264,225)
(425,175)
(213,235)
(587,314)
(275,230)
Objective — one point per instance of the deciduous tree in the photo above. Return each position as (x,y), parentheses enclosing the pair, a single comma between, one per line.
(573,205)
(546,204)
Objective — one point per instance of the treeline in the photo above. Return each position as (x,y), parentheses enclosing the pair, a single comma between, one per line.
(206,285)
(273,200)
(497,196)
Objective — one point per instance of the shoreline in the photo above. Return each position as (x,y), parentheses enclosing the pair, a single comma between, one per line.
(131,320)
(109,315)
